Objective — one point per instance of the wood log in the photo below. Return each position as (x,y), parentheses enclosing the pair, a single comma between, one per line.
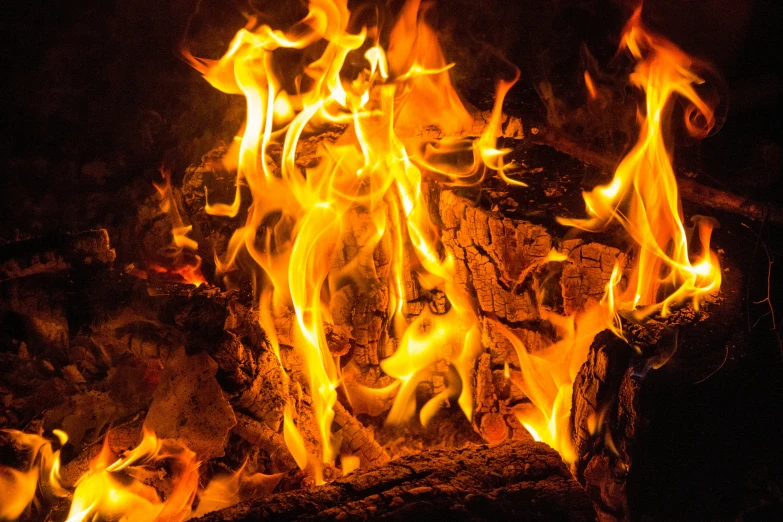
(689,189)
(55,253)
(515,480)
(500,239)
(353,438)
(501,255)
(617,388)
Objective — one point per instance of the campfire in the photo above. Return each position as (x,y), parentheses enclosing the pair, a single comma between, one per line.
(379,299)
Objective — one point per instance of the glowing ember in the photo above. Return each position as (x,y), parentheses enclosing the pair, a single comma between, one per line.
(181,261)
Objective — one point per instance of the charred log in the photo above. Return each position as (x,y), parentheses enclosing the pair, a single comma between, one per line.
(55,254)
(517,480)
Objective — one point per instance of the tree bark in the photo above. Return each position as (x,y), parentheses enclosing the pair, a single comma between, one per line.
(515,480)
(501,261)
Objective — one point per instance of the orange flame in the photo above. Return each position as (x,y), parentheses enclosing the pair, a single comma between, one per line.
(377,166)
(643,196)
(643,199)
(41,479)
(590,86)
(111,488)
(187,270)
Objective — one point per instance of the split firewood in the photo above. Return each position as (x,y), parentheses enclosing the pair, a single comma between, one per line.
(609,420)
(268,440)
(55,254)
(503,261)
(515,480)
(689,189)
(354,439)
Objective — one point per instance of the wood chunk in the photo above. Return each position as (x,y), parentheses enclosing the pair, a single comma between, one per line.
(354,439)
(605,400)
(249,369)
(55,254)
(618,383)
(189,406)
(268,440)
(501,263)
(514,480)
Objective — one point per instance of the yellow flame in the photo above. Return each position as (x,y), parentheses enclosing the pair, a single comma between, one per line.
(188,270)
(643,199)
(298,216)
(109,488)
(41,478)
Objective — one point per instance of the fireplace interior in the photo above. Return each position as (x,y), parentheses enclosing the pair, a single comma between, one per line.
(348,260)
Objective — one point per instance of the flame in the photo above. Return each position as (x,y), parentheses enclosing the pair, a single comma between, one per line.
(643,199)
(112,487)
(185,268)
(376,168)
(590,86)
(39,481)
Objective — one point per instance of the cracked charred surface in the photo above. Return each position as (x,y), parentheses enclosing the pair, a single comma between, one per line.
(501,239)
(621,385)
(503,262)
(519,480)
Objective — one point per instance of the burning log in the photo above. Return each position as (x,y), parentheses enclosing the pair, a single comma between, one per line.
(268,440)
(618,383)
(354,439)
(690,190)
(519,480)
(508,263)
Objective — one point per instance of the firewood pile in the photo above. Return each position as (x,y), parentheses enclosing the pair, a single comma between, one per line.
(100,350)
(379,301)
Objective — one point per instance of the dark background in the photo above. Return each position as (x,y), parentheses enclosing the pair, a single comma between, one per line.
(95,96)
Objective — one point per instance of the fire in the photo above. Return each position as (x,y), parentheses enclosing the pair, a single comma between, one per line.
(376,168)
(182,262)
(113,486)
(643,199)
(39,481)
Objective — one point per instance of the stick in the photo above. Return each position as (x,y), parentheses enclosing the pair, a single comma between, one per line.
(689,189)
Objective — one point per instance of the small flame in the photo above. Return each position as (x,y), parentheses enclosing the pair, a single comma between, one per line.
(109,488)
(590,86)
(187,269)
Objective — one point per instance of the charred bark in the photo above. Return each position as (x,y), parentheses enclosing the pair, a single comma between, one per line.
(623,381)
(502,261)
(517,480)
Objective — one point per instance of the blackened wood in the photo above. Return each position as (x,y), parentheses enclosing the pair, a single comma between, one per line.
(515,480)
(55,254)
(689,189)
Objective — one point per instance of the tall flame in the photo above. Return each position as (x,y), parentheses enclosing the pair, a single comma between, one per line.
(376,168)
(643,199)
